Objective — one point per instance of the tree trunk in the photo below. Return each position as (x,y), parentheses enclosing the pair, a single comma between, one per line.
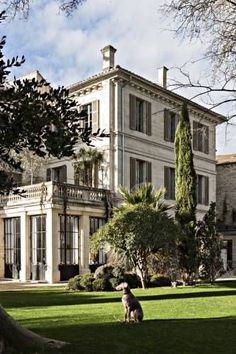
(16,339)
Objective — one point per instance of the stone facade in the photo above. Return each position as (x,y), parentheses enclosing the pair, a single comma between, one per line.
(226,204)
(134,113)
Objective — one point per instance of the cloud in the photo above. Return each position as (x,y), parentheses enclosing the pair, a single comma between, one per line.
(66,50)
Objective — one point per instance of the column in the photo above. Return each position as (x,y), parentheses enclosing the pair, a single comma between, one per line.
(52,274)
(25,247)
(1,248)
(84,244)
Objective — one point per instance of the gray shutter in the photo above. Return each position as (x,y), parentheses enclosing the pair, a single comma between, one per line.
(95,116)
(149,172)
(195,135)
(63,174)
(149,118)
(206,139)
(132,172)
(206,192)
(166,181)
(132,112)
(49,174)
(167,125)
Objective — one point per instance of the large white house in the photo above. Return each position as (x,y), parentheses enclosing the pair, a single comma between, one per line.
(44,235)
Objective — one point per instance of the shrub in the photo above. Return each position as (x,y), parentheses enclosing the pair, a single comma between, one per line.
(104,271)
(86,281)
(74,283)
(132,279)
(159,280)
(114,282)
(101,284)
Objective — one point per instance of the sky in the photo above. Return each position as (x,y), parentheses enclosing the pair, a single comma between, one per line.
(66,50)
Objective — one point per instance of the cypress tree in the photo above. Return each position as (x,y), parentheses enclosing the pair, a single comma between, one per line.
(185,191)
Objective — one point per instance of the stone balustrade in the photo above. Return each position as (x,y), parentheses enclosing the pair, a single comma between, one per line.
(59,193)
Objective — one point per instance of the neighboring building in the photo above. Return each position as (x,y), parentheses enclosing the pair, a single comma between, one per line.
(45,234)
(226,206)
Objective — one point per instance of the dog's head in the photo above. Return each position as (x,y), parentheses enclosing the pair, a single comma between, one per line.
(123,286)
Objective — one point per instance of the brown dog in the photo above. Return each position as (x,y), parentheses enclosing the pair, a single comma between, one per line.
(133,309)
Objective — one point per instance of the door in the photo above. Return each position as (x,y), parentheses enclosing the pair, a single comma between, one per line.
(12,248)
(38,238)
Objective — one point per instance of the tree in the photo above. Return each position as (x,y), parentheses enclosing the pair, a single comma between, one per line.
(86,166)
(214,23)
(137,229)
(45,121)
(209,246)
(22,7)
(185,191)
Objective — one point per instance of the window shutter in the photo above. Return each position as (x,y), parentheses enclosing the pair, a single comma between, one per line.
(195,135)
(206,140)
(132,172)
(95,116)
(149,172)
(132,112)
(49,174)
(166,181)
(167,125)
(149,118)
(63,174)
(206,192)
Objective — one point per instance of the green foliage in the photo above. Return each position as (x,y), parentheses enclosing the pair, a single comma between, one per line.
(209,246)
(101,284)
(136,231)
(159,280)
(81,282)
(145,194)
(185,192)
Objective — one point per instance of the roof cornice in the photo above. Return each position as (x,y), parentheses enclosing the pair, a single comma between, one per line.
(148,87)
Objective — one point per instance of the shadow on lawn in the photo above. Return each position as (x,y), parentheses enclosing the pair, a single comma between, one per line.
(182,336)
(58,298)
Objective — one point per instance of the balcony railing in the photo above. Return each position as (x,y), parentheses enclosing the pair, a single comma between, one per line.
(53,192)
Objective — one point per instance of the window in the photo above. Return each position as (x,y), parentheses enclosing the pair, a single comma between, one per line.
(200,137)
(38,237)
(69,239)
(170,123)
(91,116)
(95,224)
(57,174)
(140,172)
(169,182)
(202,190)
(12,241)
(140,115)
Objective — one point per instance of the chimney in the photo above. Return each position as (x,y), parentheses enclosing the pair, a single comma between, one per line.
(162,76)
(108,54)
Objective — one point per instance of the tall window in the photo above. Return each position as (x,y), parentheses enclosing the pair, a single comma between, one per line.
(12,241)
(68,239)
(202,189)
(200,137)
(140,172)
(57,174)
(169,182)
(95,224)
(140,115)
(91,116)
(38,236)
(170,123)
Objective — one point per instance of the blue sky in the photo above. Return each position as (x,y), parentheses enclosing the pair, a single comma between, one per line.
(66,50)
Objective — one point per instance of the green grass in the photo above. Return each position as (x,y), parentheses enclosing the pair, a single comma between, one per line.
(189,320)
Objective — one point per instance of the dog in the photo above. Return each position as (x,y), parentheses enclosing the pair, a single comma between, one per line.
(132,307)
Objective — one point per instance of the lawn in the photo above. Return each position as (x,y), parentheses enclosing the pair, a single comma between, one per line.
(186,320)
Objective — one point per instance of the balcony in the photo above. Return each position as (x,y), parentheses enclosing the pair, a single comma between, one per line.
(56,193)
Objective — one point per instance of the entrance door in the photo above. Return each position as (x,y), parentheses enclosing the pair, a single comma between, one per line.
(12,248)
(38,236)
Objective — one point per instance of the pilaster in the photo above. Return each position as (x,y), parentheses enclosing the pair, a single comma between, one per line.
(84,244)
(25,247)
(52,274)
